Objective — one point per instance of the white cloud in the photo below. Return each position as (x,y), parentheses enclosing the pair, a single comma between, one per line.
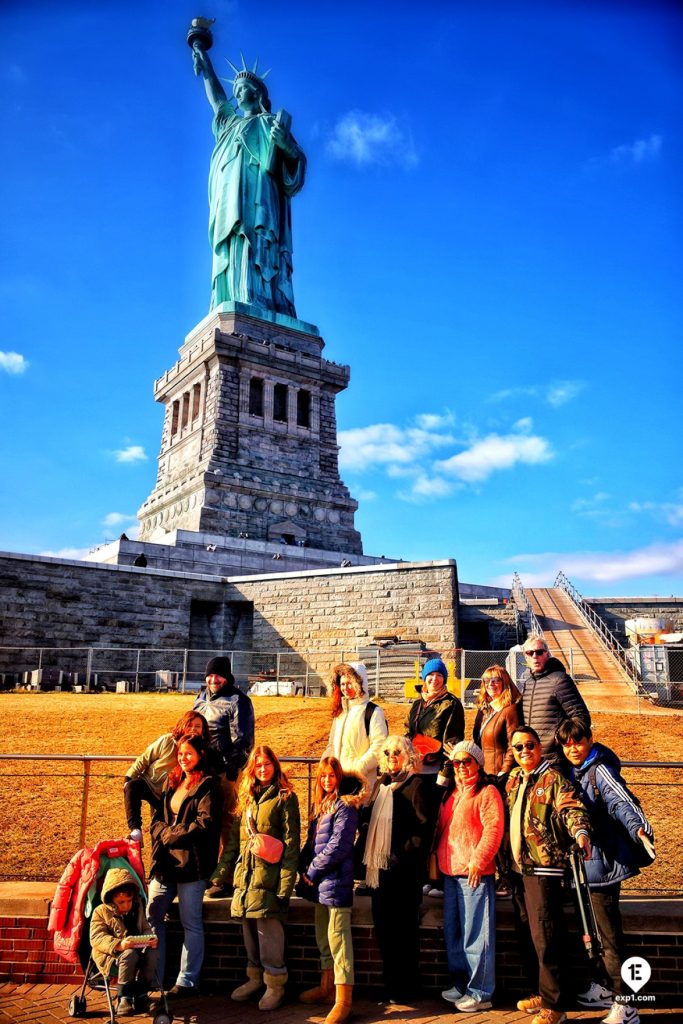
(425,487)
(133,453)
(669,511)
(493,453)
(434,421)
(599,567)
(386,444)
(555,393)
(118,518)
(361,494)
(76,553)
(362,139)
(563,391)
(638,152)
(13,362)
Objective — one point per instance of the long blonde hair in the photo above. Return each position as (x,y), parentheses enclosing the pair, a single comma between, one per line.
(510,694)
(249,782)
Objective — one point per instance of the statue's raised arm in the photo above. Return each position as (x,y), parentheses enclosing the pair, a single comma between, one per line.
(256,167)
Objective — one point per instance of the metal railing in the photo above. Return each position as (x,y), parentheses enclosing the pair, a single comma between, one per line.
(601,630)
(89,760)
(522,602)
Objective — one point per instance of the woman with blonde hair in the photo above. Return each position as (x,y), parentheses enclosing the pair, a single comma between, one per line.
(396,852)
(359,727)
(326,873)
(499,714)
(264,849)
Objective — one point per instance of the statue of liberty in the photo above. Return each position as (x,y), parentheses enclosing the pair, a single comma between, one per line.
(256,167)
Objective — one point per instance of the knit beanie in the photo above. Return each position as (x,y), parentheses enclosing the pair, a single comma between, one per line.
(435,665)
(219,667)
(468,747)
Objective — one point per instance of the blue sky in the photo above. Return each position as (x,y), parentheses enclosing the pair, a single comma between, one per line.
(490,235)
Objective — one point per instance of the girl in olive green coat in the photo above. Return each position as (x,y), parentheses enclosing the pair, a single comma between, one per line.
(264,878)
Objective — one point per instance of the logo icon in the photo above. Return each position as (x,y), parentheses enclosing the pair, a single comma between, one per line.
(636,972)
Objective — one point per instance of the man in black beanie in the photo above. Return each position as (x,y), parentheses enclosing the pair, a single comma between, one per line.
(229,714)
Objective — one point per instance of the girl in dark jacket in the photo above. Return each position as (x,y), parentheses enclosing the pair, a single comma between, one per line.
(267,812)
(395,856)
(185,831)
(327,878)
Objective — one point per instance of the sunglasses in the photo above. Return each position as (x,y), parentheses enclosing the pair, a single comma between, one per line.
(464,763)
(529,745)
(536,654)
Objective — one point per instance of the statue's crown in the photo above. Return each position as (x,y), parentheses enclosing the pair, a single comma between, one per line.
(245,72)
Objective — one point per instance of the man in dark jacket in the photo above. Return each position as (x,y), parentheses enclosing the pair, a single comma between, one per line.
(549,697)
(229,714)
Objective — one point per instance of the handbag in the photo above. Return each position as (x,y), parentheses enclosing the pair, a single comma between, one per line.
(268,848)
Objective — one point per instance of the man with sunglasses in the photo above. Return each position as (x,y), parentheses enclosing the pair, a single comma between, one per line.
(545,818)
(549,697)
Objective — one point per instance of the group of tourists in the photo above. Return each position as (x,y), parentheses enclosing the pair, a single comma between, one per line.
(393,816)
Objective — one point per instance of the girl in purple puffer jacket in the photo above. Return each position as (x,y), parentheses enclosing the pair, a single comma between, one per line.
(327,878)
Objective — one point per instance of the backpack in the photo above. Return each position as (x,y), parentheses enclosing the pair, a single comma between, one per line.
(369,711)
(642,857)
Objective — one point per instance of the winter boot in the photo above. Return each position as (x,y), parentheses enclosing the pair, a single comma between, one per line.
(324,992)
(255,982)
(275,991)
(342,1005)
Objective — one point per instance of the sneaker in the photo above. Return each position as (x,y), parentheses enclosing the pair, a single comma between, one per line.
(182,991)
(135,836)
(124,1007)
(622,1013)
(452,995)
(436,894)
(468,1004)
(595,996)
(426,889)
(532,1004)
(548,1016)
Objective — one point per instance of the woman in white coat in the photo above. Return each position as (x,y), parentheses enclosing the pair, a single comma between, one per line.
(359,727)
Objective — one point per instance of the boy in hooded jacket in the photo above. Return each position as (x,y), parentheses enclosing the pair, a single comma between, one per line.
(119,917)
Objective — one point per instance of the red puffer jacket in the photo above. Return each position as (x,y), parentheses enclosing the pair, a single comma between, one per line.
(68,904)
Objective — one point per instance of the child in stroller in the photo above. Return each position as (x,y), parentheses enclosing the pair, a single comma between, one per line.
(90,873)
(121,935)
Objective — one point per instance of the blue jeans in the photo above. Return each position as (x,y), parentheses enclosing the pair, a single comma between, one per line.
(469,928)
(190,904)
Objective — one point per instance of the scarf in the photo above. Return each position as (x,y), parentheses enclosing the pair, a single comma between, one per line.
(378,845)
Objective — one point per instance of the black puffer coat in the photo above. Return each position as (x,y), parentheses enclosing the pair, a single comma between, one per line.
(549,697)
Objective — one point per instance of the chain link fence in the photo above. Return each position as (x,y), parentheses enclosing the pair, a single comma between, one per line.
(393,671)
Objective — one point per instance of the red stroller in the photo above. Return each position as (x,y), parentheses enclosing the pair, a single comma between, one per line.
(76,896)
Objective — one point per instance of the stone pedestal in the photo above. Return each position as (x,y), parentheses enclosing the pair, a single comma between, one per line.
(249,442)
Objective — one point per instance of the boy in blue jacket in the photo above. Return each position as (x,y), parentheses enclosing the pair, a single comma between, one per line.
(617,826)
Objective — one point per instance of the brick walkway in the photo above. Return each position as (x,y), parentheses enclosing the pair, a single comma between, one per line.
(47,1004)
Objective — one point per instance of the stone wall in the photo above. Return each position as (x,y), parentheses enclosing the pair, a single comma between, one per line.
(50,602)
(614,611)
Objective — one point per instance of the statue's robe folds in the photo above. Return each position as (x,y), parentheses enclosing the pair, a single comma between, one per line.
(250,226)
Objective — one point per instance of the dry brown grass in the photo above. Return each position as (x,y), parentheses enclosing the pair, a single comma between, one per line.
(42,799)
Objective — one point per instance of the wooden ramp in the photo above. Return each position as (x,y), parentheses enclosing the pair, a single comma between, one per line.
(603,684)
